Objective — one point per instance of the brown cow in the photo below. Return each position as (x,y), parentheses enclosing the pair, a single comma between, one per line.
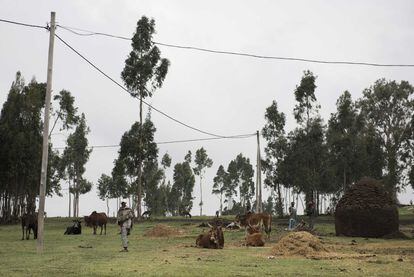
(29,222)
(253,219)
(254,236)
(213,239)
(95,220)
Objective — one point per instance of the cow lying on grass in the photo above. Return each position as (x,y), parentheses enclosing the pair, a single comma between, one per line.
(29,222)
(146,214)
(254,236)
(75,229)
(95,220)
(262,220)
(213,239)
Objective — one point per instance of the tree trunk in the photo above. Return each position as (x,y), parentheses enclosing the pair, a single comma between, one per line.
(70,200)
(279,204)
(107,206)
(221,204)
(139,162)
(201,196)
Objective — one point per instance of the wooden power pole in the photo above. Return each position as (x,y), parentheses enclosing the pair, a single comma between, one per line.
(43,173)
(258,177)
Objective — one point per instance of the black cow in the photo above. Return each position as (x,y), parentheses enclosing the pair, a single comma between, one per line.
(75,229)
(185,214)
(146,214)
(29,222)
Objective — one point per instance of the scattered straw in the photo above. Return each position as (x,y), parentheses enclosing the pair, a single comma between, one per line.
(162,230)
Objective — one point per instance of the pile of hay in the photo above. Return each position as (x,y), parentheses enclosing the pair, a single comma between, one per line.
(162,230)
(366,210)
(299,244)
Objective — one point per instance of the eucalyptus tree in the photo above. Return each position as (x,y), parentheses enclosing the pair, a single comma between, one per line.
(389,107)
(304,166)
(310,134)
(20,141)
(202,162)
(183,186)
(219,186)
(354,149)
(165,188)
(137,148)
(240,174)
(75,156)
(144,72)
(105,189)
(274,134)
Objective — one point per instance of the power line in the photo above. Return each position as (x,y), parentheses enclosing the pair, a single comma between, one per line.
(172,141)
(24,24)
(110,78)
(125,89)
(92,33)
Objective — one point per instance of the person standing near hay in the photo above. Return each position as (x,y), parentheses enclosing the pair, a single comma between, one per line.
(124,219)
(311,212)
(292,218)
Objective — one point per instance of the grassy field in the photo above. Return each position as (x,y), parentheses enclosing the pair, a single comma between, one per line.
(89,255)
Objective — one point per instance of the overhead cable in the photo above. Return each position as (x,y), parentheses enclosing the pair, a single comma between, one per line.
(125,89)
(23,24)
(92,33)
(172,141)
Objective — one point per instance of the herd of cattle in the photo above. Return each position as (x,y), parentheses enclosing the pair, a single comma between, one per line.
(254,224)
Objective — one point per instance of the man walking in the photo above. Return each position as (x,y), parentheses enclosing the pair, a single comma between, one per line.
(124,219)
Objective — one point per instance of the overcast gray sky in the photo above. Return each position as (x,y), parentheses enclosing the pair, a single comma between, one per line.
(218,93)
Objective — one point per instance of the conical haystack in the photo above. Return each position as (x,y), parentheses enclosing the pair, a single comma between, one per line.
(366,210)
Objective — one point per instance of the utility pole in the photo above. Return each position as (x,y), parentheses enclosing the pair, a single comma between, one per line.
(258,177)
(43,173)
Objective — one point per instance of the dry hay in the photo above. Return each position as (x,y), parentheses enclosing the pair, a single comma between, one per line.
(162,230)
(299,244)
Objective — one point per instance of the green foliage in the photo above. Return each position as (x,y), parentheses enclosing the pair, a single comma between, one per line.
(275,150)
(75,156)
(21,129)
(219,186)
(166,161)
(269,206)
(388,107)
(202,162)
(144,69)
(240,175)
(182,188)
(105,187)
(353,147)
(305,98)
(67,111)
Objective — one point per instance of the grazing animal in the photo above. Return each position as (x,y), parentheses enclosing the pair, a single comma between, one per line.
(185,214)
(253,219)
(254,236)
(75,229)
(95,220)
(213,239)
(29,222)
(146,214)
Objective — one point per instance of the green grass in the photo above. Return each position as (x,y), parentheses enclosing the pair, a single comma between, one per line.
(176,256)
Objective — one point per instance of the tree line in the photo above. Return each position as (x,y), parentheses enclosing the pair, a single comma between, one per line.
(371,136)
(21,128)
